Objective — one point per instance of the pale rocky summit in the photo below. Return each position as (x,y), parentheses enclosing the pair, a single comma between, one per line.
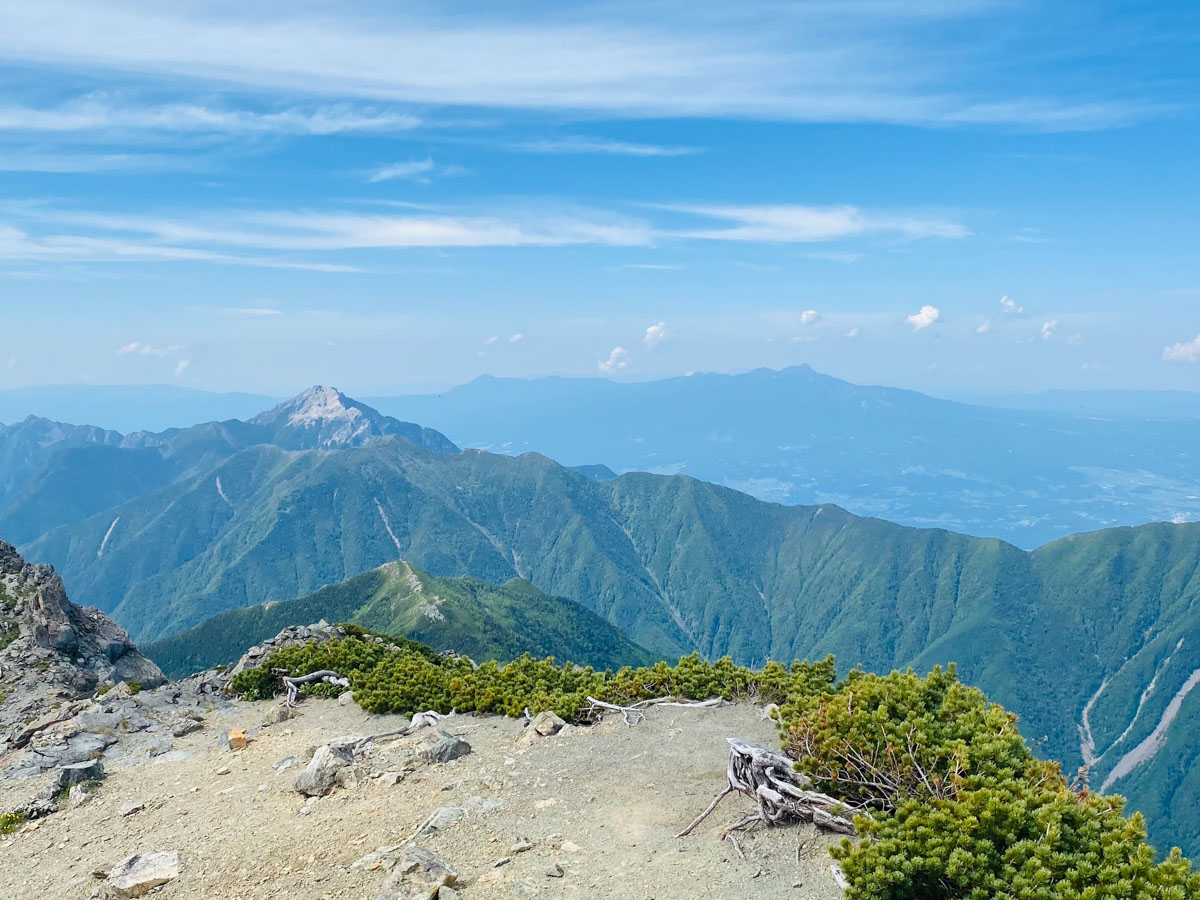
(323,418)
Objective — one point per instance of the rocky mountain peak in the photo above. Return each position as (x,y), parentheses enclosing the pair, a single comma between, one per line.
(50,648)
(323,418)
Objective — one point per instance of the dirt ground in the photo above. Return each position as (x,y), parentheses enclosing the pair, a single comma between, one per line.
(602,803)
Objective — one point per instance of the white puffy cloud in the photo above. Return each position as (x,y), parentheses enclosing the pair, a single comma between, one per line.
(182,367)
(984,327)
(809,316)
(655,335)
(516,338)
(924,317)
(1010,307)
(853,332)
(495,338)
(617,359)
(1185,351)
(1048,329)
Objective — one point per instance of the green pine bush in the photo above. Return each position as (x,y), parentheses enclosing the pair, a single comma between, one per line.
(957,806)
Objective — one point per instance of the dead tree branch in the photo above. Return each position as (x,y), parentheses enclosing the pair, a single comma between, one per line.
(636,712)
(293,685)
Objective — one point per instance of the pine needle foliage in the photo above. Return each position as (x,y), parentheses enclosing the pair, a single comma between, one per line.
(410,678)
(957,806)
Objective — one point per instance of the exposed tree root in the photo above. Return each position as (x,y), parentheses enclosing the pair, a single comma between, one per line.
(783,795)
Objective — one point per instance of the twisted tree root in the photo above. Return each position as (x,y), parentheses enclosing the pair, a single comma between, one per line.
(783,795)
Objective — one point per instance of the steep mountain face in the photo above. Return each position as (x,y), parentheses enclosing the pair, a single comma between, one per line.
(797,436)
(484,621)
(678,565)
(53,474)
(51,649)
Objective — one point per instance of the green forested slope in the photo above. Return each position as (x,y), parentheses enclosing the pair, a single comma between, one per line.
(468,615)
(681,565)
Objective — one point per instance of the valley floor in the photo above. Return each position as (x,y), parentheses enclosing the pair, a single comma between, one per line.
(602,803)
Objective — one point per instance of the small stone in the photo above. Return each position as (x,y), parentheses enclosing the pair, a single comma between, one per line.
(445,747)
(322,771)
(554,870)
(390,779)
(521,846)
(224,770)
(570,847)
(443,818)
(280,713)
(502,862)
(138,875)
(286,763)
(547,723)
(346,698)
(420,876)
(129,809)
(238,740)
(77,796)
(185,727)
(447,893)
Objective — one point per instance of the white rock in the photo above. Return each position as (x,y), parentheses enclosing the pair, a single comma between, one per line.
(140,874)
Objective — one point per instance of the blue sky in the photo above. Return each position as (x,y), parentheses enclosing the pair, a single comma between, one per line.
(952,196)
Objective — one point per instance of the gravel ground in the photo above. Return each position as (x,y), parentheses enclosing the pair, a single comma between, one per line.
(602,803)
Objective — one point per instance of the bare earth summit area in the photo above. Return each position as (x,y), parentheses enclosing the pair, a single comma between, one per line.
(591,812)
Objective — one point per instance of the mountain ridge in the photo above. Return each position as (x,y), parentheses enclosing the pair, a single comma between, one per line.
(468,615)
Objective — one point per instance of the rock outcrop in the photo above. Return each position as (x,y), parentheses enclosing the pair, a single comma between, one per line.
(52,651)
(81,648)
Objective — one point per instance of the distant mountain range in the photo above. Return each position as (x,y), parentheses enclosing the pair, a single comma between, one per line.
(467,615)
(1092,638)
(54,474)
(1025,468)
(797,436)
(153,407)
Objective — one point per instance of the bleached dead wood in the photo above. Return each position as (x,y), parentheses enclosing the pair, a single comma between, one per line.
(418,721)
(783,795)
(293,685)
(636,712)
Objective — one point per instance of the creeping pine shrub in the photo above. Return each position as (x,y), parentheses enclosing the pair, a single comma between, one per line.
(958,805)
(412,678)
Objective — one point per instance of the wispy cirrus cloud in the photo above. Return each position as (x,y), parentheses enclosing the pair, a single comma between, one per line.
(806,62)
(105,114)
(605,146)
(267,237)
(793,223)
(422,171)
